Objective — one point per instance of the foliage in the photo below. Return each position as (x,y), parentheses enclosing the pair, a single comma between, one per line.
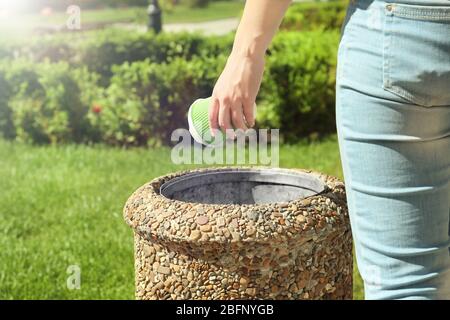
(125,88)
(317,15)
(146,102)
(70,213)
(297,93)
(48,102)
(7,129)
(113,47)
(137,101)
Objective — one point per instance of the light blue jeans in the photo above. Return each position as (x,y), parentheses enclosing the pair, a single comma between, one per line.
(393,120)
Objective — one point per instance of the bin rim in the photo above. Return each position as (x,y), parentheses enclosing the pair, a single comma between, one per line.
(277,177)
(147,203)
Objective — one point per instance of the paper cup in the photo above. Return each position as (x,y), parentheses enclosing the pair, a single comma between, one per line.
(198,119)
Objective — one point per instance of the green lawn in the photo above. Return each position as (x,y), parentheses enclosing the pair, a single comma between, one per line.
(177,14)
(62,206)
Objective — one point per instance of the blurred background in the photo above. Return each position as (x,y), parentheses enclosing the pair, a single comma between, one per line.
(90,92)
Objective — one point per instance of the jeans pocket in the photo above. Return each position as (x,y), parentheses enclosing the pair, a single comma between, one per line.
(416,53)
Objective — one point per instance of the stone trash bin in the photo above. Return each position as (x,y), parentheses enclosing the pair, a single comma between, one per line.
(241,233)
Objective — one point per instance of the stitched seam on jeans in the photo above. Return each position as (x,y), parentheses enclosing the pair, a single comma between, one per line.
(387,38)
(408,96)
(346,46)
(422,16)
(388,60)
(351,207)
(418,12)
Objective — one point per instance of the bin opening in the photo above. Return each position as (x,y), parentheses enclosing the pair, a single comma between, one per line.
(239,186)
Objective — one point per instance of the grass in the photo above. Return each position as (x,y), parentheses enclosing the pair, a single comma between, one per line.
(177,14)
(216,10)
(62,206)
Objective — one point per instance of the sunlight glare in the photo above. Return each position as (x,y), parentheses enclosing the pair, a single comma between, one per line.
(13,6)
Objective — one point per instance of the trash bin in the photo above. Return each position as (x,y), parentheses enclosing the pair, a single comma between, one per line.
(241,233)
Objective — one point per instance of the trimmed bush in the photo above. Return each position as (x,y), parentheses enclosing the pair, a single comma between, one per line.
(146,102)
(49,102)
(298,90)
(317,15)
(105,94)
(102,53)
(108,48)
(7,129)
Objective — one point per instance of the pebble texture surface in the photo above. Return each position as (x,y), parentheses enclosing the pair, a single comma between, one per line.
(300,249)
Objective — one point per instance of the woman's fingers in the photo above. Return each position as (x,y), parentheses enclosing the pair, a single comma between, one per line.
(249,111)
(225,118)
(237,117)
(213,115)
(235,92)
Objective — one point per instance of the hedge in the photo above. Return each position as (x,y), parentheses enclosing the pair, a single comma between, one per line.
(146,102)
(317,15)
(102,49)
(47,103)
(7,129)
(116,99)
(100,52)
(298,91)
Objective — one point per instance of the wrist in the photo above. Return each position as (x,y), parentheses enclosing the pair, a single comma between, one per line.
(253,48)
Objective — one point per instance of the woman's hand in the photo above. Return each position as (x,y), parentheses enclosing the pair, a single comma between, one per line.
(235,93)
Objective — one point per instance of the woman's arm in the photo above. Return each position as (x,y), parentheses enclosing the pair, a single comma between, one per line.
(235,91)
